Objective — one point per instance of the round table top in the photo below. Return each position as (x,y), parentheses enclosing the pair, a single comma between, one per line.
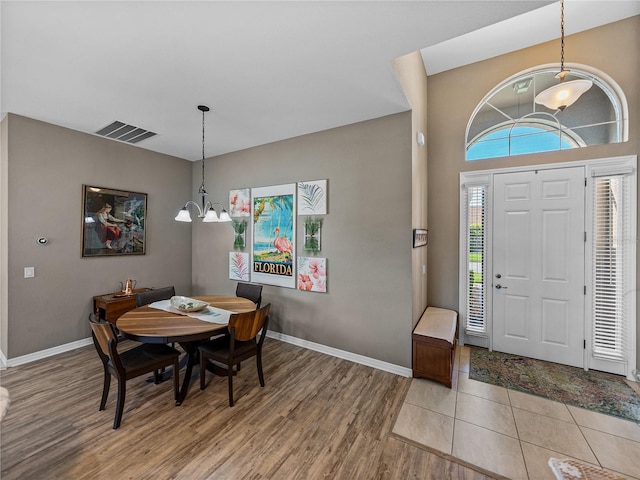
(150,325)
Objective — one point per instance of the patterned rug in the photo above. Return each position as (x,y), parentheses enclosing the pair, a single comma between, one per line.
(592,390)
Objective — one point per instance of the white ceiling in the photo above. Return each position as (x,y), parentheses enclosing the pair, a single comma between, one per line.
(268,70)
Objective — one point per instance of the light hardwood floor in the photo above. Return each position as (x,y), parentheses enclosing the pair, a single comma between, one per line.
(318,417)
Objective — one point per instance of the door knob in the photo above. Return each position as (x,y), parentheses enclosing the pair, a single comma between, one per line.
(498,286)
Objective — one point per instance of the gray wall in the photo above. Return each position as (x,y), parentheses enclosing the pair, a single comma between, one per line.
(47,166)
(366,236)
(453,96)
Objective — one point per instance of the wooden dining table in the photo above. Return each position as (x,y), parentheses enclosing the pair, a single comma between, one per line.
(151,325)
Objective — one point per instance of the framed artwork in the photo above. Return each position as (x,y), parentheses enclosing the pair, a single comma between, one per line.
(239,234)
(273,240)
(420,237)
(239,266)
(312,197)
(312,274)
(240,202)
(113,222)
(312,234)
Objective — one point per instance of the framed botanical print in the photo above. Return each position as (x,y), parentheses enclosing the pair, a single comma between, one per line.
(239,266)
(113,222)
(312,197)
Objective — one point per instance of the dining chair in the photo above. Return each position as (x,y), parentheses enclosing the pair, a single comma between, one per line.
(145,298)
(129,364)
(155,295)
(251,291)
(241,343)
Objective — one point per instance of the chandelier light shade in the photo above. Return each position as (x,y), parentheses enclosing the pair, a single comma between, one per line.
(207,213)
(565,94)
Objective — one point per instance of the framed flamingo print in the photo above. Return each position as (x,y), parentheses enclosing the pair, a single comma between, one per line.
(274,234)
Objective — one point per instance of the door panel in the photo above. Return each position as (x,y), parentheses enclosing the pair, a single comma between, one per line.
(516,317)
(538,251)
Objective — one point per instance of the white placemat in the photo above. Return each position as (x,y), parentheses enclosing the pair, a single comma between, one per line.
(210,314)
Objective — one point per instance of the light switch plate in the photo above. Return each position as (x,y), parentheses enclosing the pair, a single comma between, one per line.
(29,272)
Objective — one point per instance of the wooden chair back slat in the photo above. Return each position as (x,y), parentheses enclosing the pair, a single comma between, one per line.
(250,291)
(248,325)
(145,298)
(103,333)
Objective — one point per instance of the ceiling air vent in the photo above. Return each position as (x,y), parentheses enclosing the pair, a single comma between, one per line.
(125,133)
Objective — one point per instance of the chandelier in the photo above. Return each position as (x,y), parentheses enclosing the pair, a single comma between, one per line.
(207,212)
(564,94)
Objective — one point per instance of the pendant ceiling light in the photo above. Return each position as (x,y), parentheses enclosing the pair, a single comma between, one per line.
(564,94)
(207,212)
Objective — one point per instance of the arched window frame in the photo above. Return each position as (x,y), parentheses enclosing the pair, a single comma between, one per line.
(600,79)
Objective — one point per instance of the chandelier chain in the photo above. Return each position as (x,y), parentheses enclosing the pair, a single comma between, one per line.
(202,189)
(561,35)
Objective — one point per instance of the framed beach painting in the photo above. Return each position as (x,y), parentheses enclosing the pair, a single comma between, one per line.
(273,240)
(113,222)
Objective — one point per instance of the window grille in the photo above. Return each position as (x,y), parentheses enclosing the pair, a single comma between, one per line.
(508,121)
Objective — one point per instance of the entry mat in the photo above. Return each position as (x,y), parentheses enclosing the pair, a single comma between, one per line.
(591,390)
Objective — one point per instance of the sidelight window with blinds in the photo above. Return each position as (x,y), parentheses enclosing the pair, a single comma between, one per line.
(476,248)
(612,241)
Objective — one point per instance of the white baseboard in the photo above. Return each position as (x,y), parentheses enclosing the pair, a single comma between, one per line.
(334,352)
(49,352)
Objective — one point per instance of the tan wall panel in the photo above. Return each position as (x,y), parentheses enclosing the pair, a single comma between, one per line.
(453,96)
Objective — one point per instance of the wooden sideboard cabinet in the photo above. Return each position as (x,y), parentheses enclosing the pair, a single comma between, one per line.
(110,307)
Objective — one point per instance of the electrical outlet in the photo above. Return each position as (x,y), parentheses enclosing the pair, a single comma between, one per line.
(29,272)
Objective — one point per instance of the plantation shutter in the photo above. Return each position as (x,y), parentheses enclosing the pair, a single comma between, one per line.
(611,261)
(476,197)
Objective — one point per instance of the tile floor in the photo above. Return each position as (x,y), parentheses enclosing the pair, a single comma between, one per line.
(511,433)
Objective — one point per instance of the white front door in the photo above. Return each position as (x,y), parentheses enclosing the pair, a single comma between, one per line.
(538,264)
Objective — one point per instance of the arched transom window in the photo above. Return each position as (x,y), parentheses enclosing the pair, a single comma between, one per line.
(509,122)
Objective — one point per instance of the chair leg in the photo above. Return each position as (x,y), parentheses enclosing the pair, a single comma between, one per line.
(259,365)
(203,367)
(105,389)
(156,376)
(230,377)
(122,392)
(176,380)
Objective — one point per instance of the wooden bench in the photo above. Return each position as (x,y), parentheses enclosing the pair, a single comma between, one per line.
(434,343)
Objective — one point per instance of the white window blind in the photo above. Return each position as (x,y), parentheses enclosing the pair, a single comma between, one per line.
(611,230)
(476,197)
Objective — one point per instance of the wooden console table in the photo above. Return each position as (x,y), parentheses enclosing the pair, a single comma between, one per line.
(110,307)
